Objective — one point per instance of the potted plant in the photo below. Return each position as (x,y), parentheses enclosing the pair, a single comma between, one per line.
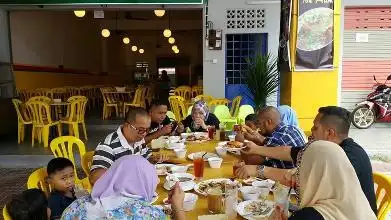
(262,78)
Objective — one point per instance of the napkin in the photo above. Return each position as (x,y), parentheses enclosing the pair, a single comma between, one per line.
(213,217)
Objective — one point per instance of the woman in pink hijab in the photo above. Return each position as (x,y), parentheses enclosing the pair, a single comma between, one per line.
(125,191)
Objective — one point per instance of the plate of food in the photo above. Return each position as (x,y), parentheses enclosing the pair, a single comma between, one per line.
(255,209)
(162,169)
(218,184)
(195,137)
(206,156)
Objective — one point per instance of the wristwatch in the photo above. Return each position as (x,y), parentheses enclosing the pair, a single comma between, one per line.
(261,171)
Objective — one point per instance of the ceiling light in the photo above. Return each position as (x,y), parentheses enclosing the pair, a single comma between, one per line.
(134,48)
(105,32)
(177,51)
(171,40)
(174,48)
(79,13)
(141,51)
(167,33)
(126,40)
(159,12)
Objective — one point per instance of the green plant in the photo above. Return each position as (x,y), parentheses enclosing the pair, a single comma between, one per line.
(262,78)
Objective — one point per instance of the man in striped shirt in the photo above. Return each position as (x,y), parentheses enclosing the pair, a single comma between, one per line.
(128,139)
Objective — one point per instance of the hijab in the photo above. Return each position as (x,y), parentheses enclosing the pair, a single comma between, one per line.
(288,115)
(202,106)
(328,183)
(129,176)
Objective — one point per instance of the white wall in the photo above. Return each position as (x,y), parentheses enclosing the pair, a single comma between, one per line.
(214,74)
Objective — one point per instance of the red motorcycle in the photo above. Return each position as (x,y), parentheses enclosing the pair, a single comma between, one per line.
(377,106)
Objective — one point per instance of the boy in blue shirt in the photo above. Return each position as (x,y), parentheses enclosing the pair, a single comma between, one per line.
(61,177)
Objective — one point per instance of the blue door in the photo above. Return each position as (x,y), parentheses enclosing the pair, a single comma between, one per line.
(238,48)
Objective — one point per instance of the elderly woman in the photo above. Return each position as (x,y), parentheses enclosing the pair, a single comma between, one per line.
(125,194)
(200,119)
(327,186)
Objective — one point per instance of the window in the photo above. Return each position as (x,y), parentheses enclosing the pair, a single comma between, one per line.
(170,71)
(239,47)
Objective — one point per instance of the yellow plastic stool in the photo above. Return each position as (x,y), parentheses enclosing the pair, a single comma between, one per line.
(384,202)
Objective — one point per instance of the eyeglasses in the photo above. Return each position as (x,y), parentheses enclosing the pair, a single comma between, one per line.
(139,130)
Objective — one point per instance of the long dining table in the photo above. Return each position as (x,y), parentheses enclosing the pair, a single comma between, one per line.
(226,171)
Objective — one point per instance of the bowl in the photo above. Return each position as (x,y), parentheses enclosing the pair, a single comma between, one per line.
(180,153)
(178,177)
(264,183)
(179,169)
(200,134)
(250,192)
(173,146)
(189,201)
(185,135)
(221,151)
(174,139)
(232,137)
(215,162)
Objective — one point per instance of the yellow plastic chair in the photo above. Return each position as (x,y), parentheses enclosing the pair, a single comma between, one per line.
(86,162)
(171,115)
(41,99)
(63,147)
(205,98)
(189,110)
(235,106)
(137,102)
(184,92)
(383,194)
(76,116)
(244,110)
(109,103)
(222,113)
(178,107)
(24,118)
(6,216)
(215,102)
(42,120)
(196,91)
(37,180)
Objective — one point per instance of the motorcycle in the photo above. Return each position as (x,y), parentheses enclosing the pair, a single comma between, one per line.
(377,106)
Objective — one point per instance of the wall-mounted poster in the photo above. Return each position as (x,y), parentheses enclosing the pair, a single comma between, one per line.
(284,62)
(314,46)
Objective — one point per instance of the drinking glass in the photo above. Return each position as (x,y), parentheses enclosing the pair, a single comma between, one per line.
(198,162)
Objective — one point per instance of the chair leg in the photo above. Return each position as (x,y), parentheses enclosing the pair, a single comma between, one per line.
(39,135)
(76,129)
(32,136)
(85,130)
(59,129)
(20,132)
(45,136)
(70,129)
(104,113)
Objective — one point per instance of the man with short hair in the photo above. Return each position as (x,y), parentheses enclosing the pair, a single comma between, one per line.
(276,133)
(160,124)
(331,124)
(128,139)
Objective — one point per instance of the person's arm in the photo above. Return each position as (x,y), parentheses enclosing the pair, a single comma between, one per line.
(279,152)
(276,175)
(96,174)
(155,135)
(264,172)
(102,160)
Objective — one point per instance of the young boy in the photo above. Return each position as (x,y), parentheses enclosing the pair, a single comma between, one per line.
(250,122)
(61,177)
(160,123)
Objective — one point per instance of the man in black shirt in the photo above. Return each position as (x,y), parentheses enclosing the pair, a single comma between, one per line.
(160,124)
(331,124)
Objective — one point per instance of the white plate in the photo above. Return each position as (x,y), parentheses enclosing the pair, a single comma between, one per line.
(247,215)
(185,188)
(208,155)
(160,169)
(197,187)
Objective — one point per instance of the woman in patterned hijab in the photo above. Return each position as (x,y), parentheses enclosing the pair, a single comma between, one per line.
(200,118)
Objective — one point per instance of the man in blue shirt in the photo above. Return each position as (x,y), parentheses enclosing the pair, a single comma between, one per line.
(274,133)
